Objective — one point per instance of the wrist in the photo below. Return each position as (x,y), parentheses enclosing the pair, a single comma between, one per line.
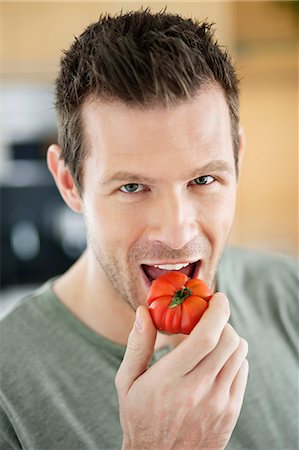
(128,445)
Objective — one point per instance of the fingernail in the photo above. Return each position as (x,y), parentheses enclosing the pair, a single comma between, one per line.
(138,320)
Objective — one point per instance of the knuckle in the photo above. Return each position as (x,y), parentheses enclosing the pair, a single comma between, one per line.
(218,403)
(232,411)
(132,344)
(245,365)
(117,381)
(243,346)
(231,337)
(228,331)
(223,303)
(137,347)
(209,342)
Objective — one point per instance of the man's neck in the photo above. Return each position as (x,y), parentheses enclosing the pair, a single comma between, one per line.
(89,298)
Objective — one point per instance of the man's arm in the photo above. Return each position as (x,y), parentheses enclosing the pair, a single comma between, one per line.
(192,397)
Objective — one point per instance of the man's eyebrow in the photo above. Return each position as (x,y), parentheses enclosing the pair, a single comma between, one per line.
(130,177)
(219,165)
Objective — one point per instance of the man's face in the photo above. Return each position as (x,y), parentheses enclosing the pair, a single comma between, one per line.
(159,190)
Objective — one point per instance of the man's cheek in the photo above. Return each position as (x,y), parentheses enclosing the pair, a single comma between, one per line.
(117,233)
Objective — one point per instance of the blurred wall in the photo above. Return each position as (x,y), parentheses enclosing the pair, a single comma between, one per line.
(266,49)
(263,39)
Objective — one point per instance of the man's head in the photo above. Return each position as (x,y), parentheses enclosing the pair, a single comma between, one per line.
(143,60)
(149,147)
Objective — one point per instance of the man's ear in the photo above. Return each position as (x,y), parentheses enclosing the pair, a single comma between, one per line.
(242,146)
(63,178)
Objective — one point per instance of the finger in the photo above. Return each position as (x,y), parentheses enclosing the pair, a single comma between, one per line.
(229,371)
(203,338)
(238,386)
(214,362)
(139,351)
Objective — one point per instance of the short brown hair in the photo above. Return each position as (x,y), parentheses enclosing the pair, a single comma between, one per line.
(142,59)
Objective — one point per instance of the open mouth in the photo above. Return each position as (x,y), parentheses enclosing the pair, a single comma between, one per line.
(152,272)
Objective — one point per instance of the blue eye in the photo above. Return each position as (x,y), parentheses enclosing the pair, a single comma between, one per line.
(206,179)
(131,188)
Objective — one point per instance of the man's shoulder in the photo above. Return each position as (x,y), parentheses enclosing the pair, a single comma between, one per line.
(21,326)
(26,305)
(253,269)
(238,259)
(263,291)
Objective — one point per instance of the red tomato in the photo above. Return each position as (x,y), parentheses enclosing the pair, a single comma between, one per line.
(176,303)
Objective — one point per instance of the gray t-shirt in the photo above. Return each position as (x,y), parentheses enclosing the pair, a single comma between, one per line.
(57,375)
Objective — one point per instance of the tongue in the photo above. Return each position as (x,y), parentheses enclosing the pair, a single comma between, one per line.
(154,272)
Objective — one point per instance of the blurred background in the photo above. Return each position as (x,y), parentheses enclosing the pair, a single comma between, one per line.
(40,236)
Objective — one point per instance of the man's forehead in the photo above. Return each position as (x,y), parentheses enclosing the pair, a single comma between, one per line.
(204,118)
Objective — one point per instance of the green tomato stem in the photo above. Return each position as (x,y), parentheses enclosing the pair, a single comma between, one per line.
(180,296)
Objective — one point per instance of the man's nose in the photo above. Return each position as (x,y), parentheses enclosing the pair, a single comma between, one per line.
(173,221)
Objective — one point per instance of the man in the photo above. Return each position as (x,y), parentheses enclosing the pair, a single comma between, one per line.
(149,152)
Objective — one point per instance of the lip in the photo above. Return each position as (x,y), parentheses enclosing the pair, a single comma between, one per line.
(195,273)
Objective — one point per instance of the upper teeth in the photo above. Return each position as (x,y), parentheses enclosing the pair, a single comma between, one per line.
(171,266)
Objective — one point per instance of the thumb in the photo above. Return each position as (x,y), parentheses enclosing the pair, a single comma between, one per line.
(139,351)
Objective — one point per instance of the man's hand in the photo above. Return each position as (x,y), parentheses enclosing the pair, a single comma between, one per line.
(192,397)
